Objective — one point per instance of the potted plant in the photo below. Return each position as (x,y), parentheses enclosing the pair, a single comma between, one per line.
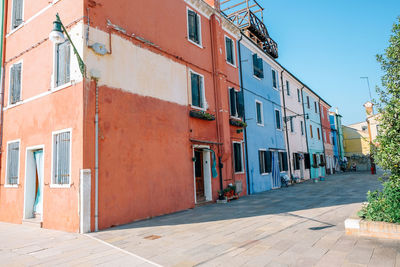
(200,114)
(238,123)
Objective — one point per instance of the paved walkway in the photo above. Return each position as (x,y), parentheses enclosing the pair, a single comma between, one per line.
(296,226)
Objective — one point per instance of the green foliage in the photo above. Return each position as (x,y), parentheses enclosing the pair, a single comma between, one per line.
(385,205)
(387,151)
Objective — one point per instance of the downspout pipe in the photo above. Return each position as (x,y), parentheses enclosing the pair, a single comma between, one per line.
(96,161)
(286,124)
(244,117)
(305,128)
(4,5)
(322,130)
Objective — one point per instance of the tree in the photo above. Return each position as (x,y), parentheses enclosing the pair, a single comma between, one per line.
(387,152)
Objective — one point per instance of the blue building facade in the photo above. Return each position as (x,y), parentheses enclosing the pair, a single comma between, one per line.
(265,143)
(334,137)
(316,155)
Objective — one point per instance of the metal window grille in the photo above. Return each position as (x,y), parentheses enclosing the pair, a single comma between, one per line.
(12,163)
(15,83)
(61,158)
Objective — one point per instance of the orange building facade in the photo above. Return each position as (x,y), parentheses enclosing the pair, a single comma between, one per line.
(145,131)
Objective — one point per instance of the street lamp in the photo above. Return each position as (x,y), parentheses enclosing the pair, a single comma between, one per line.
(57,37)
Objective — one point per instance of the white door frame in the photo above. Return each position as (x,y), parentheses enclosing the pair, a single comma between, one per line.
(206,172)
(27,181)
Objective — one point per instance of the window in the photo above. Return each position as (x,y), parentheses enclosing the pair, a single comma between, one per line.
(230,50)
(319,135)
(278,119)
(315,159)
(288,87)
(324,136)
(265,160)
(259,113)
(311,132)
(236,103)
(238,159)
(274,80)
(17,13)
(61,158)
(308,102)
(258,67)
(291,125)
(315,107)
(296,161)
(302,127)
(298,96)
(307,161)
(194,27)
(283,161)
(197,83)
(12,163)
(63,61)
(15,83)
(322,159)
(322,112)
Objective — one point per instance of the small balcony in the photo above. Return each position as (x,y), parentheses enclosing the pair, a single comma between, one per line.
(248,16)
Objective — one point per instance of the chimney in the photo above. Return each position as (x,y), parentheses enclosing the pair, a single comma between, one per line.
(337,111)
(214,3)
(369,108)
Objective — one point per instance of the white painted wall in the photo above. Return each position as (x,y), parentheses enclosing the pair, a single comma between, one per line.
(136,70)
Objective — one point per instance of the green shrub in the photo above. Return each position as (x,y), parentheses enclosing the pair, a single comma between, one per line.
(384,205)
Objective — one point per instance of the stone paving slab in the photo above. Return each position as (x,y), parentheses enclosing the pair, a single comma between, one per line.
(301,225)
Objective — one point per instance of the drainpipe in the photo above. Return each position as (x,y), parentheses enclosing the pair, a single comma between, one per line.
(96,163)
(305,128)
(286,123)
(3,59)
(244,118)
(322,130)
(216,103)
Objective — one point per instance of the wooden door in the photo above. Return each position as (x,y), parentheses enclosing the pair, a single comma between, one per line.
(199,173)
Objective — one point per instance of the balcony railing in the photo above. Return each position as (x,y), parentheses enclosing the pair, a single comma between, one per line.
(248,16)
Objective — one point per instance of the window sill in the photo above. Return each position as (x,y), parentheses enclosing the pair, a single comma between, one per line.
(265,174)
(58,186)
(275,88)
(257,77)
(11,186)
(65,85)
(15,30)
(231,64)
(196,44)
(260,124)
(15,105)
(198,108)
(241,172)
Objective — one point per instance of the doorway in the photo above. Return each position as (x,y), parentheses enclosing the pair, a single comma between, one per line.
(202,174)
(34,183)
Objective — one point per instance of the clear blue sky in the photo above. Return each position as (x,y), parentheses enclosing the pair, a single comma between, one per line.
(330,44)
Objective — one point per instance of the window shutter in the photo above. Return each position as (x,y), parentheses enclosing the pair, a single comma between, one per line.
(240,103)
(307,162)
(195,90)
(12,163)
(17,13)
(284,161)
(261,160)
(15,83)
(12,84)
(255,62)
(193,21)
(232,98)
(238,157)
(258,111)
(260,68)
(62,157)
(229,54)
(268,161)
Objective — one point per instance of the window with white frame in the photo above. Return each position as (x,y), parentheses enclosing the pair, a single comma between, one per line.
(194,27)
(274,79)
(62,64)
(291,125)
(62,158)
(238,157)
(236,102)
(12,163)
(265,160)
(259,113)
(288,87)
(258,67)
(302,127)
(298,96)
(15,83)
(197,84)
(278,119)
(308,102)
(315,107)
(17,13)
(283,162)
(230,50)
